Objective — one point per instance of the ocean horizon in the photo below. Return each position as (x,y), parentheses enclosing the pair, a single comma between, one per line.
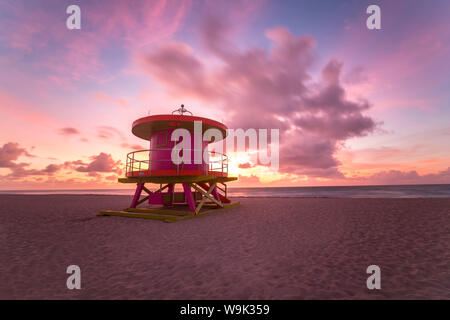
(376,191)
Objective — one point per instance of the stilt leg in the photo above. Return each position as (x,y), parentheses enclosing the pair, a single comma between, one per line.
(137,195)
(189,196)
(215,193)
(170,191)
(206,195)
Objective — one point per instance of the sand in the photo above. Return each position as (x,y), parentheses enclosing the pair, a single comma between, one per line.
(269,248)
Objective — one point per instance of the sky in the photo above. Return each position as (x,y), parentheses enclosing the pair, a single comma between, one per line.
(353,106)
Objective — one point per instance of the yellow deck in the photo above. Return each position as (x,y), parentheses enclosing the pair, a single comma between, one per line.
(166,215)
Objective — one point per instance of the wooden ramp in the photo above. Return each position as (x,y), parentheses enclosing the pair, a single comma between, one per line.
(165,214)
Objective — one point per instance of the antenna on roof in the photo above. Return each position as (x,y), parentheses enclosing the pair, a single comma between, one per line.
(182,110)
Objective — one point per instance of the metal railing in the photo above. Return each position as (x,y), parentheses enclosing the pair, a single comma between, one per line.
(139,163)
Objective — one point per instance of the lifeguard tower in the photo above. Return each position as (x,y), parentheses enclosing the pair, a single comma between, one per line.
(184,190)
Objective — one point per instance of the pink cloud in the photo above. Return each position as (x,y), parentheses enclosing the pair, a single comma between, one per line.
(121,102)
(249,180)
(107,132)
(64,56)
(356,75)
(21,171)
(409,177)
(132,146)
(101,163)
(175,64)
(261,88)
(68,131)
(140,22)
(117,137)
(111,178)
(246,165)
(10,152)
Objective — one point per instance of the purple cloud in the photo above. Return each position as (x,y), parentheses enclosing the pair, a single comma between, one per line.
(10,152)
(246,165)
(68,131)
(269,88)
(409,177)
(101,163)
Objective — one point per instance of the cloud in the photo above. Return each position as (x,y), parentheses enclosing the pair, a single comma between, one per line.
(21,171)
(175,65)
(356,75)
(63,57)
(68,131)
(269,88)
(100,163)
(132,146)
(409,177)
(111,178)
(94,174)
(10,152)
(303,153)
(246,165)
(52,168)
(251,180)
(107,132)
(113,134)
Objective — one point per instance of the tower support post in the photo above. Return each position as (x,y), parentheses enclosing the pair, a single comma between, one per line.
(170,191)
(137,195)
(189,196)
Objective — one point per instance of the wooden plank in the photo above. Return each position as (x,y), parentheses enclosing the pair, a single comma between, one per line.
(210,197)
(159,211)
(155,216)
(140,213)
(142,200)
(206,196)
(146,190)
(160,189)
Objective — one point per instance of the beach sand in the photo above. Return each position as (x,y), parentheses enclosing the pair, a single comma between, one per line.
(268,248)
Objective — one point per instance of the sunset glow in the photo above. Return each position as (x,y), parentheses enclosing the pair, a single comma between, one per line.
(353,106)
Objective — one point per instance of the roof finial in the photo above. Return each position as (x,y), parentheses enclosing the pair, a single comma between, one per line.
(182,110)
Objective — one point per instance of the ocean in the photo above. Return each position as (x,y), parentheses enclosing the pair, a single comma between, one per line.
(392,191)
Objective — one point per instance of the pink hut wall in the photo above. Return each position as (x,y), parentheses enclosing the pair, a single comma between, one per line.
(160,156)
